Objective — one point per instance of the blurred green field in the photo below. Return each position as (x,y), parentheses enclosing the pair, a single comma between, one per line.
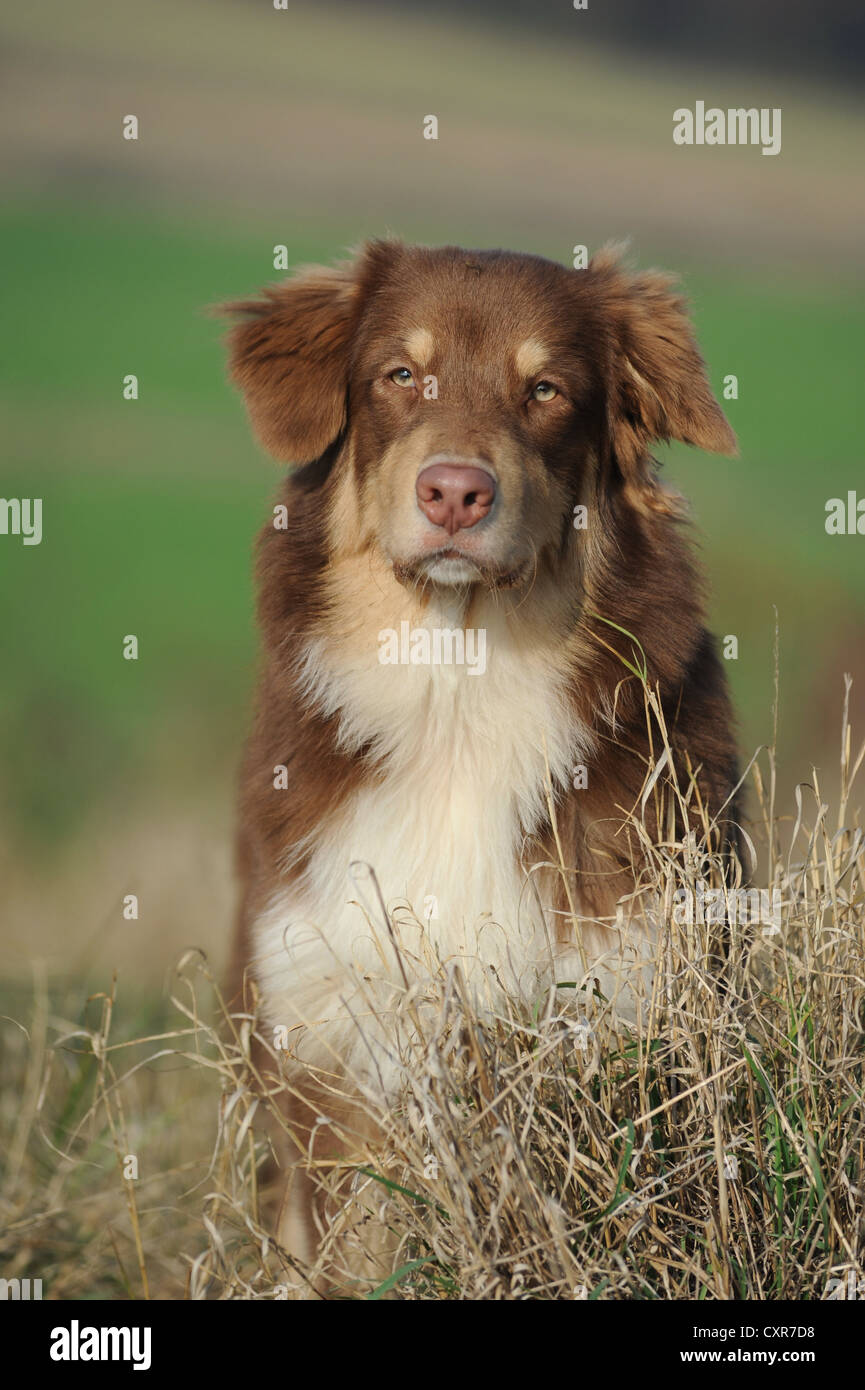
(150,506)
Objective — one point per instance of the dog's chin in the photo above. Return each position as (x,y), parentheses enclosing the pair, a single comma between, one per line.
(456,570)
(452,572)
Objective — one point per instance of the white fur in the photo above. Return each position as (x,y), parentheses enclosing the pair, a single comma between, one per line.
(464,783)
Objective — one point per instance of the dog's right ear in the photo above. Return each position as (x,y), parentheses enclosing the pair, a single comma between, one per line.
(290,352)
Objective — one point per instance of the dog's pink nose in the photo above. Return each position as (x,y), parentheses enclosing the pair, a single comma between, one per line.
(455,495)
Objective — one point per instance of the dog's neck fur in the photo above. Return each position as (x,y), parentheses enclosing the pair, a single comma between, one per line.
(465,770)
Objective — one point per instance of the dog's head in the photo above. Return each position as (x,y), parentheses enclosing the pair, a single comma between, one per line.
(474,398)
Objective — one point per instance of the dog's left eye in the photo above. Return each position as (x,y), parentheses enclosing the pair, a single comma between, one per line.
(544,391)
(402,376)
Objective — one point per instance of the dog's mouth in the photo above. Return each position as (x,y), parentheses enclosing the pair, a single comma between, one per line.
(452,567)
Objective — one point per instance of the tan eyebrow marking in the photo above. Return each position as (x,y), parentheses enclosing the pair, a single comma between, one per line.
(420,345)
(531,357)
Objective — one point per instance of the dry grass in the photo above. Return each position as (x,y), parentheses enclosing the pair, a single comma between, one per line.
(712,1149)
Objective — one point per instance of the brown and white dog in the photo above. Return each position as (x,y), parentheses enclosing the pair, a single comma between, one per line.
(477,506)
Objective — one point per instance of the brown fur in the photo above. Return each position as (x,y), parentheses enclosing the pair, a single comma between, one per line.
(313,358)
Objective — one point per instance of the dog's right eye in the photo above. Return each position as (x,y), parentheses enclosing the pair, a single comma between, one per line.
(402,376)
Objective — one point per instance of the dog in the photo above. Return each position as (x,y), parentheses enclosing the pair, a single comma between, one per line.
(471,579)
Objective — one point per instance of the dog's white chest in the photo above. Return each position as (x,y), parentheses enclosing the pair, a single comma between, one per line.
(467,761)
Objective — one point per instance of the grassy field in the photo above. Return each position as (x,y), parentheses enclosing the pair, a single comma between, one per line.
(710,1150)
(303,128)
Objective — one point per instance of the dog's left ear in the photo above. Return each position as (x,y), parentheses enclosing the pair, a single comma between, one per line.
(659,387)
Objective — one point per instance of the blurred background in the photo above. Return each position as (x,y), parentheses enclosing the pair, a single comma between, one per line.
(303,127)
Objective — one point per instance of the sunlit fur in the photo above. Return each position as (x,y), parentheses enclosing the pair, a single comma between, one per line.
(422,804)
